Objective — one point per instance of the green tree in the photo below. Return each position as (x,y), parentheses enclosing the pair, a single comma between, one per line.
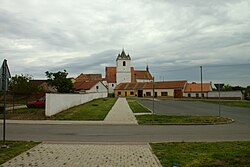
(227,87)
(60,81)
(21,85)
(247,91)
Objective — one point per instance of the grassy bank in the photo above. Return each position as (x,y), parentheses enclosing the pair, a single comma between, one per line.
(136,107)
(165,119)
(15,148)
(230,154)
(94,110)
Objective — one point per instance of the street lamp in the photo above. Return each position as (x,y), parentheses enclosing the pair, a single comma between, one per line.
(219,87)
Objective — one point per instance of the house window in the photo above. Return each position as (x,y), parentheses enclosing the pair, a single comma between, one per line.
(112,85)
(148,93)
(131,93)
(97,87)
(202,95)
(164,93)
(189,95)
(197,94)
(119,93)
(124,63)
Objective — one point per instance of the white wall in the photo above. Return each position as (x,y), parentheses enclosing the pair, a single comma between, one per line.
(101,88)
(226,94)
(56,103)
(194,94)
(123,73)
(111,88)
(170,91)
(122,77)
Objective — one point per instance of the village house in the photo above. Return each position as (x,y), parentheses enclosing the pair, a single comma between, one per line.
(90,87)
(145,89)
(165,89)
(198,90)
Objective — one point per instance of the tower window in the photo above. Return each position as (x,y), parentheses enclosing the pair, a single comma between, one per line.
(124,63)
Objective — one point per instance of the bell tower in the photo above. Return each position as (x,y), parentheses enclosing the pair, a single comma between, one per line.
(123,68)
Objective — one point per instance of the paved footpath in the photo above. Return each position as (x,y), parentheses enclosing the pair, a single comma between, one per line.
(92,155)
(77,155)
(120,113)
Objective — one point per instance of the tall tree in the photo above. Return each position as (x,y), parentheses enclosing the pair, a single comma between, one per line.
(60,81)
(21,85)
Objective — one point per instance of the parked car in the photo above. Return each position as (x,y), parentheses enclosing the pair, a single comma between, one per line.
(40,103)
(248,98)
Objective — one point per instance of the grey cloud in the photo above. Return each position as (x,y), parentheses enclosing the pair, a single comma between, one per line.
(84,36)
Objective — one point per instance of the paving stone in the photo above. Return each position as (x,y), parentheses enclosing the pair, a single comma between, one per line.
(75,155)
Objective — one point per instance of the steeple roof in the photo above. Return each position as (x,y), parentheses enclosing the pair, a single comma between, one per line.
(123,56)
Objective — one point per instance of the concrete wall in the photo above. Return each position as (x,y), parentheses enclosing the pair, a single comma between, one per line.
(193,95)
(56,103)
(170,92)
(230,95)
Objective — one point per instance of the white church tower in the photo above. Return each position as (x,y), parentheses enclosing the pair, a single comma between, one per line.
(123,68)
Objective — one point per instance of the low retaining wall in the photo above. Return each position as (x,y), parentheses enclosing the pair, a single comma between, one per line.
(227,95)
(56,103)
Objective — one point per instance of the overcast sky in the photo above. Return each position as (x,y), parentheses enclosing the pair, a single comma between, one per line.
(174,37)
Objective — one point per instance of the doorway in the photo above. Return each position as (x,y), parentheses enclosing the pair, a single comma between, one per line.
(139,93)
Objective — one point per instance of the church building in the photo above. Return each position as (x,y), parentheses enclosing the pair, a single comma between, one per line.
(124,72)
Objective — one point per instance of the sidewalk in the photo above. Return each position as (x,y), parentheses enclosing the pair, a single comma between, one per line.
(120,114)
(91,155)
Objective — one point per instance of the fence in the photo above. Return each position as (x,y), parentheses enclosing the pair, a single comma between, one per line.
(56,103)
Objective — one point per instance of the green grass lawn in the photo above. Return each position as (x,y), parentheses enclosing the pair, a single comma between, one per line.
(165,119)
(231,103)
(95,110)
(214,154)
(136,107)
(15,148)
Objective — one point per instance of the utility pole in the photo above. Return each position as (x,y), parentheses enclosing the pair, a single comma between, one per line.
(201,84)
(153,86)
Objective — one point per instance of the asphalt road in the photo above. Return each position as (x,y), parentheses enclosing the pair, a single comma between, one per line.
(126,133)
(241,115)
(238,131)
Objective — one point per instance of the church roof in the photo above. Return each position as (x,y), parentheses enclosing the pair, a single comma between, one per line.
(110,74)
(123,56)
(140,74)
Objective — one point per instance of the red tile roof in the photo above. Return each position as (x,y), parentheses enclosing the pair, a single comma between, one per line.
(140,74)
(110,74)
(196,87)
(149,85)
(88,77)
(166,85)
(84,85)
(130,86)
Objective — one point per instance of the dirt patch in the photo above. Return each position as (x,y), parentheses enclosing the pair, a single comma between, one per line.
(25,116)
